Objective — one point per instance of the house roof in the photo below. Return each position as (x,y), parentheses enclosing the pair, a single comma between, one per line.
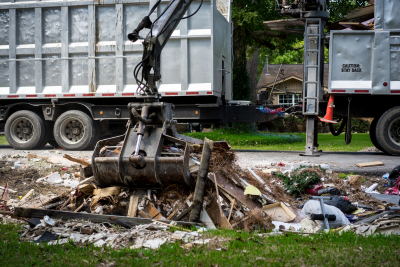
(290,71)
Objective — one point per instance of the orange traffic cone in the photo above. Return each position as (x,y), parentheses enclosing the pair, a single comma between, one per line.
(329,111)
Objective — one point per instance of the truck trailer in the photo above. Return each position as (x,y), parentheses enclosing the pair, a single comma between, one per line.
(364,70)
(66,69)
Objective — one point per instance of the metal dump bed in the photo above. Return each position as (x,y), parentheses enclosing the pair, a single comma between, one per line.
(368,62)
(79,49)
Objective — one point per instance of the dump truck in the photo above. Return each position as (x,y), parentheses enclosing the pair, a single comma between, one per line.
(66,69)
(364,73)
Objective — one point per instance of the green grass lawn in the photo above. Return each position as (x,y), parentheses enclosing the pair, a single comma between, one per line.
(327,142)
(278,141)
(239,249)
(3,140)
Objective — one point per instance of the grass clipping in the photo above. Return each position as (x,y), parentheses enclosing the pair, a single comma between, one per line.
(301,179)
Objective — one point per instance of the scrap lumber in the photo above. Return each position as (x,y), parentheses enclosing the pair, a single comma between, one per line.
(216,189)
(180,207)
(27,195)
(79,161)
(212,210)
(144,214)
(370,164)
(52,205)
(152,211)
(230,212)
(32,156)
(240,221)
(79,208)
(133,205)
(201,179)
(186,211)
(234,191)
(96,218)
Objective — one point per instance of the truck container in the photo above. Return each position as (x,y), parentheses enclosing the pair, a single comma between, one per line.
(66,69)
(364,75)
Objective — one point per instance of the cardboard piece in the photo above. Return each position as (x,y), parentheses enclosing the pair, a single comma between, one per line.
(279,212)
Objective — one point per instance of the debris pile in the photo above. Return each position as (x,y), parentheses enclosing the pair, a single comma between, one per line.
(281,197)
(150,235)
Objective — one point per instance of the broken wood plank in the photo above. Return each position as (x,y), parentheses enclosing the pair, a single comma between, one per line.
(230,212)
(32,156)
(79,161)
(370,164)
(79,208)
(54,204)
(27,195)
(96,218)
(202,175)
(133,205)
(144,214)
(180,207)
(213,211)
(186,211)
(216,189)
(153,211)
(234,191)
(240,221)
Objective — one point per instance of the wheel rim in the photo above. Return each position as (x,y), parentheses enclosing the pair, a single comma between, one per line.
(22,130)
(72,130)
(394,131)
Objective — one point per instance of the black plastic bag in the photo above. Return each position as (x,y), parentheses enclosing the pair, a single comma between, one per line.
(393,176)
(344,205)
(329,190)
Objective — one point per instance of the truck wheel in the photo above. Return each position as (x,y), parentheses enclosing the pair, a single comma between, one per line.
(25,130)
(75,130)
(388,131)
(372,133)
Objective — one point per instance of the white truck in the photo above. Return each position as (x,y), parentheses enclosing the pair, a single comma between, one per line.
(66,69)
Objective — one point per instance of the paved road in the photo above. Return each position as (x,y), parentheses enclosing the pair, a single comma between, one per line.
(338,161)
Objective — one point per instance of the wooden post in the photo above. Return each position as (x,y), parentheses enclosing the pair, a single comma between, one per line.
(133,205)
(216,189)
(201,180)
(230,212)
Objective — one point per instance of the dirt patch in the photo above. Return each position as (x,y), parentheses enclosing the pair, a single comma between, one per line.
(24,179)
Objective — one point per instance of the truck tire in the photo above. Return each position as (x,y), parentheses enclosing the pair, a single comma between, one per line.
(25,130)
(372,133)
(388,131)
(75,130)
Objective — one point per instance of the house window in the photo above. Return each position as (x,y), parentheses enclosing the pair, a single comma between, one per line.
(289,99)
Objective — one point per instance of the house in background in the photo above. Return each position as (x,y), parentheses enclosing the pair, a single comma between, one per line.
(290,80)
